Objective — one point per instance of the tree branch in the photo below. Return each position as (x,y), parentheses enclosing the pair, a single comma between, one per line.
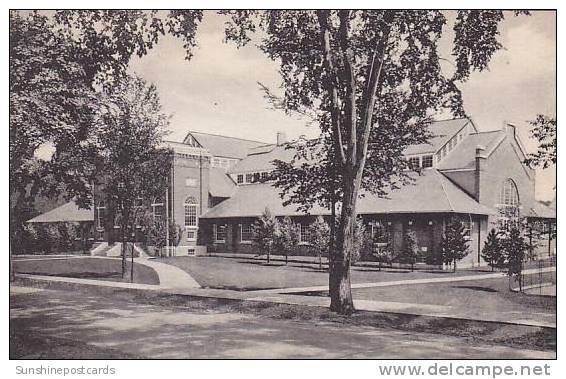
(332,83)
(375,78)
(350,104)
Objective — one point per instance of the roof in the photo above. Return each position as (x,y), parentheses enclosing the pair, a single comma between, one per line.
(69,212)
(261,159)
(464,154)
(220,185)
(431,192)
(541,210)
(441,132)
(222,146)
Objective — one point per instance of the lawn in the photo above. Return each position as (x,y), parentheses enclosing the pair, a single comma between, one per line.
(86,268)
(247,274)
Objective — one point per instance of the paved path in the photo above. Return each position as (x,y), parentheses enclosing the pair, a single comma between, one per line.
(114,325)
(170,277)
(408,281)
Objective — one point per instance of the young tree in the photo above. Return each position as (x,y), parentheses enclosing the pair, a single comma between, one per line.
(381,248)
(287,237)
(410,251)
(454,245)
(373,79)
(129,133)
(320,239)
(492,251)
(263,233)
(544,131)
(156,233)
(515,247)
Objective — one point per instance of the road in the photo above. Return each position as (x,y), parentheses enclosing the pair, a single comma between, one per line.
(54,324)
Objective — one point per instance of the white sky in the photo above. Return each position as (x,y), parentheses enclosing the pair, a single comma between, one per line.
(217,91)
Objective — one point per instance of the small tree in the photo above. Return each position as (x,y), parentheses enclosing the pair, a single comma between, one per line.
(263,233)
(362,241)
(381,247)
(410,251)
(156,233)
(287,237)
(320,239)
(492,251)
(515,248)
(454,245)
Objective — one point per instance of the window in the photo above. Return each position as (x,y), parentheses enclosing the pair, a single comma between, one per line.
(249,178)
(414,162)
(157,208)
(246,232)
(509,195)
(138,203)
(240,179)
(467,229)
(264,176)
(191,220)
(305,234)
(256,177)
(219,233)
(427,161)
(100,215)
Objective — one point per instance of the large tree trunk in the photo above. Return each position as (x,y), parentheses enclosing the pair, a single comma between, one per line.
(340,288)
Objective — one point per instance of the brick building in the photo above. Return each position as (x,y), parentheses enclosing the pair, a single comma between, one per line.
(216,191)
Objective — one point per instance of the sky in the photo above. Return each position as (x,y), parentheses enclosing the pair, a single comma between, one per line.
(217,91)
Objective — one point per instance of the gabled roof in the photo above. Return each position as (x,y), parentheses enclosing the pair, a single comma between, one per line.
(441,132)
(69,212)
(220,184)
(222,146)
(464,154)
(431,192)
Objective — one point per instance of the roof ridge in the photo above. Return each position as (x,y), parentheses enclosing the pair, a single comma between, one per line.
(224,136)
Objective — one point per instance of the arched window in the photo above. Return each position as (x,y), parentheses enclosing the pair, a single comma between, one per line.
(509,195)
(157,208)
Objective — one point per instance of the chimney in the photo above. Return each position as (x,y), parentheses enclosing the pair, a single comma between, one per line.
(281,138)
(509,129)
(480,167)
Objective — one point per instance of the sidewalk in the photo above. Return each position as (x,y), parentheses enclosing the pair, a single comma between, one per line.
(547,320)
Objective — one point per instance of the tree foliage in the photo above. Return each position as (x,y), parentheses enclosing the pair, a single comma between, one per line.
(454,244)
(287,236)
(129,130)
(373,81)
(544,131)
(263,233)
(492,251)
(410,251)
(515,248)
(320,239)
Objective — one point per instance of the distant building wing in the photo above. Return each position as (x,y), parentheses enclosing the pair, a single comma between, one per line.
(69,212)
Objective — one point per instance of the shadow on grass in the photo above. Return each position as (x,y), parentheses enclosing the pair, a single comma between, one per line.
(477,288)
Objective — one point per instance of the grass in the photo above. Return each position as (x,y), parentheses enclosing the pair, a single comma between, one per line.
(87,268)
(247,274)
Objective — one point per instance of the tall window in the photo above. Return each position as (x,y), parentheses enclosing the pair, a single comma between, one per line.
(249,178)
(101,209)
(191,218)
(509,195)
(240,179)
(245,232)
(305,233)
(157,208)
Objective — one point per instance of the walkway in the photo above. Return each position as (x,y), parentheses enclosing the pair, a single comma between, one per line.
(410,281)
